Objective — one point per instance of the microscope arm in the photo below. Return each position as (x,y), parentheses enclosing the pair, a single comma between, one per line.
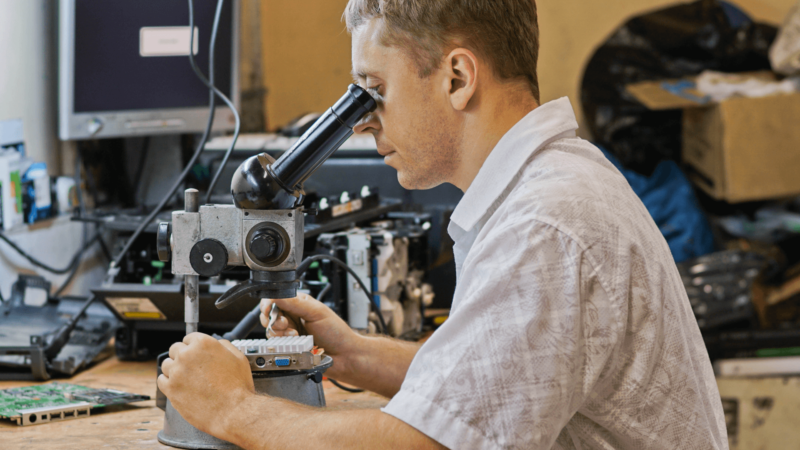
(261,183)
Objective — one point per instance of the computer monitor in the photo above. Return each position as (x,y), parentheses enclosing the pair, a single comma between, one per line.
(124,68)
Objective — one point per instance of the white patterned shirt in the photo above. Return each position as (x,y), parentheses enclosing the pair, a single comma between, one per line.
(570,326)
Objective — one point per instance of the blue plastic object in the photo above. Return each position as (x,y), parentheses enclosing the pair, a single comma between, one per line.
(669,198)
(282,362)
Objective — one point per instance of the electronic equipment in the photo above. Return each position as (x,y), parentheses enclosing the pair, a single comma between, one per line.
(123,67)
(36,405)
(37,341)
(393,254)
(280,353)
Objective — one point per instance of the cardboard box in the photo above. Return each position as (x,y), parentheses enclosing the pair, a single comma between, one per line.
(761,413)
(741,149)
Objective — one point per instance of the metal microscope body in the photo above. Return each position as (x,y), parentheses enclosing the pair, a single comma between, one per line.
(217,236)
(264,231)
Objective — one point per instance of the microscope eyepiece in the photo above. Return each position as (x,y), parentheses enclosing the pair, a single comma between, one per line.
(260,183)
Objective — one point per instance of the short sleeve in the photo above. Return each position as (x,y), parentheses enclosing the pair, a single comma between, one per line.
(532,334)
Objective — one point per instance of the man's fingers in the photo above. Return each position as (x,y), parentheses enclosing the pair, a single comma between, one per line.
(165,366)
(195,337)
(266,305)
(304,306)
(281,324)
(163,383)
(175,349)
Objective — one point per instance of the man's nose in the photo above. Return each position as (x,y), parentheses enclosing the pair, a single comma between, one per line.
(369,124)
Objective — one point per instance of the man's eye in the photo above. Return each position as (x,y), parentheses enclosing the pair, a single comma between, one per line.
(374,91)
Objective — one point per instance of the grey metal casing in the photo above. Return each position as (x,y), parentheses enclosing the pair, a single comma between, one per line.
(358,258)
(75,126)
(298,387)
(230,226)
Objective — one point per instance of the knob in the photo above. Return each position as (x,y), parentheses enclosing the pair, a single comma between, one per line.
(162,241)
(208,257)
(267,245)
(263,246)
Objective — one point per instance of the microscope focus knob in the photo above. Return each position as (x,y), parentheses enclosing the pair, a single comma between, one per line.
(263,246)
(268,244)
(162,243)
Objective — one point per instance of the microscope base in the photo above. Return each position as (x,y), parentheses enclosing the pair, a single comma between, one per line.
(303,387)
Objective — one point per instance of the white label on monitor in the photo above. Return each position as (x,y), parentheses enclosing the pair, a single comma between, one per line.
(167,41)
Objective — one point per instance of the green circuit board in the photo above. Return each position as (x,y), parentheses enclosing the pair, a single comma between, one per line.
(58,401)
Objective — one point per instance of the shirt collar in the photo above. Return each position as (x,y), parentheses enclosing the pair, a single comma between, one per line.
(533,132)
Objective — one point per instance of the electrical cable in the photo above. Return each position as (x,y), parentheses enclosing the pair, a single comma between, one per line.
(63,334)
(212,112)
(137,177)
(301,269)
(345,388)
(104,248)
(74,270)
(210,84)
(77,265)
(78,181)
(44,266)
(324,291)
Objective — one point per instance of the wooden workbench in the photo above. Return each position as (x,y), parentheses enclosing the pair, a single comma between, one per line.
(126,426)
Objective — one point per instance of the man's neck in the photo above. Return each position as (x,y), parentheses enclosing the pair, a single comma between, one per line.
(499,110)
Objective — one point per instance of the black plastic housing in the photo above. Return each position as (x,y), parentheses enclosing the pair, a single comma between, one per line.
(260,183)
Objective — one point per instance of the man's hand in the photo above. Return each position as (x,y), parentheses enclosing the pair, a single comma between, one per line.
(305,315)
(375,363)
(203,378)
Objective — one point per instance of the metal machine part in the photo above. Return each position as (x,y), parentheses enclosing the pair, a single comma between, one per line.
(301,386)
(392,255)
(264,232)
(720,285)
(30,331)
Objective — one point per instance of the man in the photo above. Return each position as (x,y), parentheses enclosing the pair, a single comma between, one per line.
(570,327)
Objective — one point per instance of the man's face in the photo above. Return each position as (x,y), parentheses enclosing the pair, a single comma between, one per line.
(415,127)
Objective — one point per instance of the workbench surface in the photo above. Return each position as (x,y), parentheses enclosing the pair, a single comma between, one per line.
(131,426)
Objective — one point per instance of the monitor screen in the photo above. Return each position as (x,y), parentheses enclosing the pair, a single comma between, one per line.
(125,67)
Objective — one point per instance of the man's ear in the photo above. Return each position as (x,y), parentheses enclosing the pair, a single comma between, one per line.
(462,77)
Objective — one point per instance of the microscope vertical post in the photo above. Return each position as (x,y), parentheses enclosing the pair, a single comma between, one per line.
(191,283)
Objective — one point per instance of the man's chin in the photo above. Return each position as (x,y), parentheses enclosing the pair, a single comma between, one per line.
(415,184)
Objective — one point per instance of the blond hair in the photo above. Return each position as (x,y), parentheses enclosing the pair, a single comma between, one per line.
(504,32)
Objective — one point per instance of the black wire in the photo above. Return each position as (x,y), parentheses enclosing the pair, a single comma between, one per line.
(105,249)
(301,269)
(345,388)
(74,270)
(78,180)
(210,84)
(44,266)
(89,179)
(324,291)
(137,177)
(63,334)
(198,151)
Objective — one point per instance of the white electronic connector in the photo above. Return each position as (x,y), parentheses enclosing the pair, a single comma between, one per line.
(284,344)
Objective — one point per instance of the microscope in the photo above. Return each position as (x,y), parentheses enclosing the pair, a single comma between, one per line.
(264,231)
